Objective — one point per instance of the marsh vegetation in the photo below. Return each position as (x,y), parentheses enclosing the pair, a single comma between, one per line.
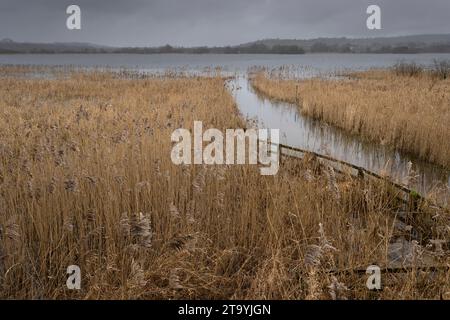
(407,108)
(86,178)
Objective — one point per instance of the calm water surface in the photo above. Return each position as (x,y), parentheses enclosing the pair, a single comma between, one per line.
(308,63)
(305,133)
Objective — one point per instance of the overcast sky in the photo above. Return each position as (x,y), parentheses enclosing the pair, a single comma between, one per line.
(215,22)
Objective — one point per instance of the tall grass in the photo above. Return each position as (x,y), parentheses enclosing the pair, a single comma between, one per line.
(408,113)
(410,69)
(86,179)
(440,69)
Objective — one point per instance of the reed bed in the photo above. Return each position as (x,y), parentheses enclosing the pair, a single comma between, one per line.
(410,113)
(86,179)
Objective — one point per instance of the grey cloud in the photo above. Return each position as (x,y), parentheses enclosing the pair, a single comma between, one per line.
(214,22)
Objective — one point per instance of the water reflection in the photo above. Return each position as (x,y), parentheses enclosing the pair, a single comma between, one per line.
(303,132)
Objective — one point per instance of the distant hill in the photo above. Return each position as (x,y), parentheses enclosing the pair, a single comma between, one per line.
(402,44)
(10,46)
(432,43)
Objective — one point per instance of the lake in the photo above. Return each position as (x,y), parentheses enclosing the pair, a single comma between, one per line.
(308,64)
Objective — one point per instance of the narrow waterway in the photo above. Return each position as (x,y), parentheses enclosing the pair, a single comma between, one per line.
(305,133)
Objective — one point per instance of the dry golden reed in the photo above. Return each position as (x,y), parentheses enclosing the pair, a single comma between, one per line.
(86,179)
(411,114)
